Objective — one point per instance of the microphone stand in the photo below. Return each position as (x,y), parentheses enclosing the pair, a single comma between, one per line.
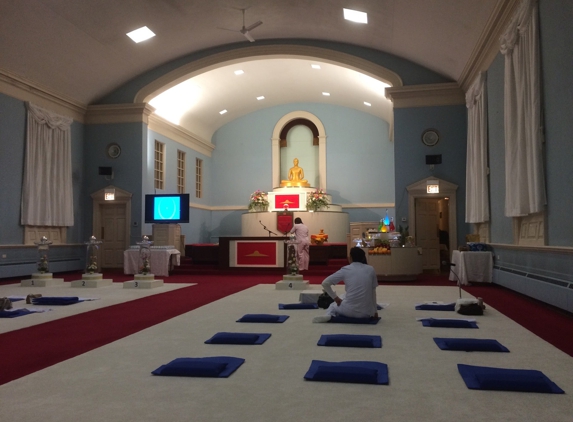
(265,227)
(451,265)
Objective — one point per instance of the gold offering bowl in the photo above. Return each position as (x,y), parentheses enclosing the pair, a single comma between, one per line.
(318,239)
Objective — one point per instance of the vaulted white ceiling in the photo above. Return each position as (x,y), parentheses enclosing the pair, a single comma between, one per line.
(79,50)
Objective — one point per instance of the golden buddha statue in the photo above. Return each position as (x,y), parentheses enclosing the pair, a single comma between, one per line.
(295,177)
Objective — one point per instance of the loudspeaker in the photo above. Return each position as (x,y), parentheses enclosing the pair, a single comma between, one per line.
(105,171)
(434,159)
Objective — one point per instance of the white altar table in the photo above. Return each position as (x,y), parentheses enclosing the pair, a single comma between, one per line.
(472,267)
(161,261)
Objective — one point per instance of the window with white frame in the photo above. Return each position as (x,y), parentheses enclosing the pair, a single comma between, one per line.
(180,171)
(198,178)
(159,165)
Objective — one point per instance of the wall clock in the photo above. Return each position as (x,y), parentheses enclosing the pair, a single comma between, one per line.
(430,137)
(113,150)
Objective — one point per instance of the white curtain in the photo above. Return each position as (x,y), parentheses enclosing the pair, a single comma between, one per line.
(477,191)
(47,197)
(524,174)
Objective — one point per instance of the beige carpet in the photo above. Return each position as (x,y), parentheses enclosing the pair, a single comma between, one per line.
(113,383)
(106,296)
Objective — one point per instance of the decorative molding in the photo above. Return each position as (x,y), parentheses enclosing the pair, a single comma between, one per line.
(21,89)
(118,113)
(373,205)
(179,134)
(546,249)
(245,207)
(255,52)
(487,46)
(200,207)
(228,208)
(426,95)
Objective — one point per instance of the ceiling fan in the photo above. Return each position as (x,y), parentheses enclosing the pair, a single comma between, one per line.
(245,30)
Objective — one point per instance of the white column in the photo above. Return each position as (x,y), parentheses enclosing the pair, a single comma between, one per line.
(322,162)
(276,162)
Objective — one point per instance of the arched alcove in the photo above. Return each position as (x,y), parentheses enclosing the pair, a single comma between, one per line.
(316,126)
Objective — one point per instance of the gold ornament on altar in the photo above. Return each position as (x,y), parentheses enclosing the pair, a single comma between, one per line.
(295,177)
(318,239)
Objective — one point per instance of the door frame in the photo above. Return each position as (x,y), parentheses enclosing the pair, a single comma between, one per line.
(121,197)
(447,189)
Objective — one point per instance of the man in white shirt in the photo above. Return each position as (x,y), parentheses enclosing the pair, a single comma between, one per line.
(360,284)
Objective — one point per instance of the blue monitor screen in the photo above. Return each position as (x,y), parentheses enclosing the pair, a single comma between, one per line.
(166,208)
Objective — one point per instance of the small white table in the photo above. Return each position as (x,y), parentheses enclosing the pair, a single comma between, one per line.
(472,267)
(161,261)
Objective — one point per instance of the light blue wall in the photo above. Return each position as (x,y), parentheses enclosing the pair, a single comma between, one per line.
(12,148)
(543,274)
(127,168)
(242,160)
(557,80)
(557,59)
(410,154)
(198,228)
(242,156)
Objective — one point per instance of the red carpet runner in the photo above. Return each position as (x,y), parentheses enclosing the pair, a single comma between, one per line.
(30,349)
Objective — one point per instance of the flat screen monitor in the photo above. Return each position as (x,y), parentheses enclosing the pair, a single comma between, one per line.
(167,208)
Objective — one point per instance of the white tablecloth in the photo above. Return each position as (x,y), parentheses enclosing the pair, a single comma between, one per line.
(161,261)
(472,267)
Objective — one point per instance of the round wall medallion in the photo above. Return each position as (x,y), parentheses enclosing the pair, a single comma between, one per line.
(430,137)
(113,150)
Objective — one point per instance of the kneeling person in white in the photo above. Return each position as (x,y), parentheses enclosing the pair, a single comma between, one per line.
(360,283)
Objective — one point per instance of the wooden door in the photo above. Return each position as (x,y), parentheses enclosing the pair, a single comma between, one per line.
(113,234)
(427,232)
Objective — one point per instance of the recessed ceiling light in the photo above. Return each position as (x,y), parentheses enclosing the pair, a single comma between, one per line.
(326,94)
(366,103)
(239,72)
(141,34)
(222,111)
(261,98)
(355,16)
(315,66)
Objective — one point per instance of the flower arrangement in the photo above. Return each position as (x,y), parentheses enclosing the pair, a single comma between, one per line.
(145,268)
(317,200)
(43,264)
(292,263)
(92,267)
(258,200)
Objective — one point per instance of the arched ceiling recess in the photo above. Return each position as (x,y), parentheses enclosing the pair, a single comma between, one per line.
(192,95)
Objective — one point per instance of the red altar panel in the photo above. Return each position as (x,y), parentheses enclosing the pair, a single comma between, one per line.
(252,253)
(293,201)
